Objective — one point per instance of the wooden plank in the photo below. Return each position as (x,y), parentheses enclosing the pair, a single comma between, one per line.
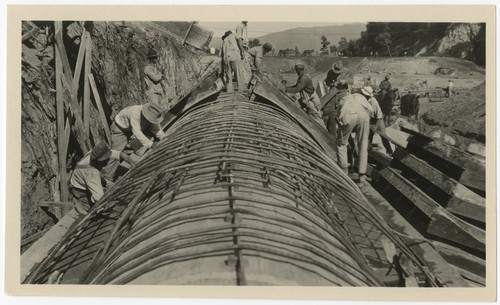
(41,248)
(67,81)
(79,61)
(61,134)
(86,86)
(67,134)
(442,223)
(199,37)
(97,100)
(64,57)
(447,276)
(458,164)
(187,33)
(81,136)
(461,259)
(462,201)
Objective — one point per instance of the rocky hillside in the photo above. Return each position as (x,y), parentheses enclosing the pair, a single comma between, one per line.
(118,57)
(461,40)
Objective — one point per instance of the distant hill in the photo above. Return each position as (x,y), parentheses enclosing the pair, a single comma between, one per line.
(306,37)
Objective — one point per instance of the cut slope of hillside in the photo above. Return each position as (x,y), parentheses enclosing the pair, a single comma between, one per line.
(118,58)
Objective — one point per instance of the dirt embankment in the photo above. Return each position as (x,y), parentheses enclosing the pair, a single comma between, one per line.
(464,114)
(118,57)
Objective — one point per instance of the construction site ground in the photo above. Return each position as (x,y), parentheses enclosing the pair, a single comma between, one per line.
(461,116)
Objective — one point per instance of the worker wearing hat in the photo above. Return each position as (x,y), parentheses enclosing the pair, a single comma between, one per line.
(385,85)
(309,99)
(153,79)
(376,120)
(337,82)
(231,62)
(333,75)
(86,183)
(257,53)
(141,121)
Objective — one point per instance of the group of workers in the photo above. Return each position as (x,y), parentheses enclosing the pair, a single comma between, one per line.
(238,60)
(97,169)
(346,112)
(133,128)
(343,114)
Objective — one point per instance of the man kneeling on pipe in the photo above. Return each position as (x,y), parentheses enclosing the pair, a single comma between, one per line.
(140,121)
(86,183)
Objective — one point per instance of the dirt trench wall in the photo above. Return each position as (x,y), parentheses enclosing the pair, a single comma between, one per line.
(118,59)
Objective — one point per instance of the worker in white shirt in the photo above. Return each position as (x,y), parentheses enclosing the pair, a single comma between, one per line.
(141,121)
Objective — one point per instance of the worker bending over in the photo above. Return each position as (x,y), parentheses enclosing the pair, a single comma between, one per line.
(87,185)
(141,121)
(256,54)
(309,99)
(353,115)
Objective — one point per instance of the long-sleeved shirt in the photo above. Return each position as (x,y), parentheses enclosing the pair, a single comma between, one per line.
(131,119)
(304,83)
(230,51)
(385,85)
(86,177)
(257,53)
(152,78)
(241,32)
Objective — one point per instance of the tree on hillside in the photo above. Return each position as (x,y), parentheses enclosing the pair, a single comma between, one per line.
(385,40)
(333,49)
(324,43)
(297,51)
(343,45)
(253,42)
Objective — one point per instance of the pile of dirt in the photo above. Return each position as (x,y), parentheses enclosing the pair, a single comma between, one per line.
(118,58)
(463,114)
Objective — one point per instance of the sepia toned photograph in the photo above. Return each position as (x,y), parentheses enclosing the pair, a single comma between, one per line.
(255,153)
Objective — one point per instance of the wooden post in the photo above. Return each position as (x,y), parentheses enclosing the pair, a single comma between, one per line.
(61,134)
(97,99)
(86,87)
(187,33)
(79,61)
(67,80)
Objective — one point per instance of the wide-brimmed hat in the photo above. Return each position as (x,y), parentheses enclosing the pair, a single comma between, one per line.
(367,90)
(387,77)
(152,54)
(153,113)
(267,46)
(100,152)
(337,67)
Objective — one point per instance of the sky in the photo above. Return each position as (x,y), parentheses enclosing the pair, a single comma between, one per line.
(257,29)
